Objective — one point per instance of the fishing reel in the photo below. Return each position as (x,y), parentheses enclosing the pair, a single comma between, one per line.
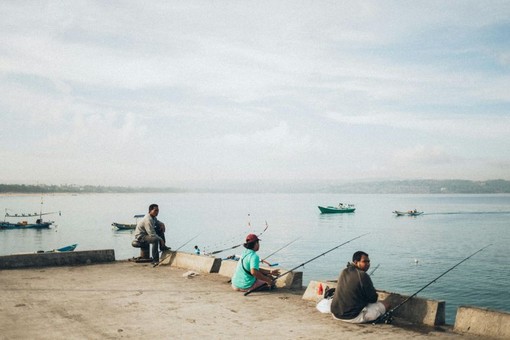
(386,318)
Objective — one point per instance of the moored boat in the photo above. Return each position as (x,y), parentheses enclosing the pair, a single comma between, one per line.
(408,213)
(341,208)
(127,226)
(24,224)
(70,247)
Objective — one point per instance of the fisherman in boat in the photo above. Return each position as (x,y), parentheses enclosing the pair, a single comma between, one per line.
(248,274)
(150,230)
(355,298)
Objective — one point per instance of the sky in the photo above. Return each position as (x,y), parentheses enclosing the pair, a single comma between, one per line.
(156,93)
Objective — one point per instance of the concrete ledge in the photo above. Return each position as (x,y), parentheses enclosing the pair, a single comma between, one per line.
(57,259)
(416,310)
(293,280)
(482,321)
(228,268)
(200,263)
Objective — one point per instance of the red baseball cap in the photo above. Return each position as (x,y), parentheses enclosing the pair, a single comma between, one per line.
(252,238)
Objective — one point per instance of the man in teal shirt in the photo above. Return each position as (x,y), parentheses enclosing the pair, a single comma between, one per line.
(248,274)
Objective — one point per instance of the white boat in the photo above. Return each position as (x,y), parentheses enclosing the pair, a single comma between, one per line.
(408,213)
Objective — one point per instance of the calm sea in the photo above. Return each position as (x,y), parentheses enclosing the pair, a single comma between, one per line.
(410,252)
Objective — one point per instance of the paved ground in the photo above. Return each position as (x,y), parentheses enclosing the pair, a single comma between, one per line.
(130,300)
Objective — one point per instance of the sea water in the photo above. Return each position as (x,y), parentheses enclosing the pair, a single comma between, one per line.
(409,252)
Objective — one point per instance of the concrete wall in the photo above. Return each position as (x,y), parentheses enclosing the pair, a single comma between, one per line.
(416,310)
(482,321)
(293,280)
(199,263)
(56,259)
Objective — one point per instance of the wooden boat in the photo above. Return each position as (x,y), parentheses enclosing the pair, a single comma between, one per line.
(65,249)
(123,226)
(71,247)
(341,208)
(127,226)
(408,213)
(24,224)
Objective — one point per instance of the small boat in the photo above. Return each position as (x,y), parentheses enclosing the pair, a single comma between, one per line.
(24,224)
(127,226)
(341,208)
(65,249)
(408,213)
(71,247)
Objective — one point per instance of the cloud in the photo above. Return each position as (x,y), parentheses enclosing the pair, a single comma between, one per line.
(241,90)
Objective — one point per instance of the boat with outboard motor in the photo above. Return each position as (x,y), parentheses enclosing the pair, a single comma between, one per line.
(408,213)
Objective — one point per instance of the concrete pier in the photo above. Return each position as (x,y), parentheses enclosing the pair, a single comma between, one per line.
(60,295)
(136,301)
(482,321)
(71,258)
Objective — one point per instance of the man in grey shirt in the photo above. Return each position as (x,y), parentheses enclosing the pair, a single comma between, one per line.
(147,231)
(355,299)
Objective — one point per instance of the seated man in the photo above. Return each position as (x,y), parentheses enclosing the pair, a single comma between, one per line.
(149,229)
(248,275)
(355,298)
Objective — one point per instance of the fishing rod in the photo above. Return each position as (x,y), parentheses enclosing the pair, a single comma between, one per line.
(285,246)
(388,316)
(191,239)
(163,259)
(238,245)
(373,270)
(302,264)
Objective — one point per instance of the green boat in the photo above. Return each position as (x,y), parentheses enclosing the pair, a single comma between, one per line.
(340,209)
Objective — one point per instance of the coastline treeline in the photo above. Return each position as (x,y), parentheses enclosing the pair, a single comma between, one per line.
(74,189)
(497,186)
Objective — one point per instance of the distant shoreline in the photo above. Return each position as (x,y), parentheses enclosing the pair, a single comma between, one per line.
(451,186)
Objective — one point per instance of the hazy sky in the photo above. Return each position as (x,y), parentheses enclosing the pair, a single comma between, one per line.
(156,92)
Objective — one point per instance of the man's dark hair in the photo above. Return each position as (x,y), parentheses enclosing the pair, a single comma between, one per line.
(152,206)
(357,255)
(250,245)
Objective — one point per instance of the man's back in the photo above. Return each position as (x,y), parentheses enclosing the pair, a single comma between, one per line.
(353,292)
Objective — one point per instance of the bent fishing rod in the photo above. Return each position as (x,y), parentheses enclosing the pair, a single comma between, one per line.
(302,264)
(388,316)
(191,239)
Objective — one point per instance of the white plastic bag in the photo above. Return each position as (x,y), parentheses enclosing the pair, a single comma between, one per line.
(324,306)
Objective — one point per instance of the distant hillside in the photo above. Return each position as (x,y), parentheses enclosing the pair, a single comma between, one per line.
(425,187)
(375,187)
